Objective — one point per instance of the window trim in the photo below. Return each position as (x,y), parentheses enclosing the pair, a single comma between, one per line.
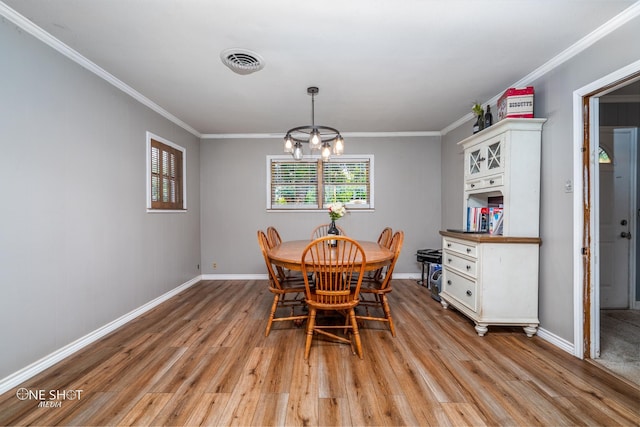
(150,209)
(352,207)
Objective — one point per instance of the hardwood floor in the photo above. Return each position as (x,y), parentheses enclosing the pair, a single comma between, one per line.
(202,359)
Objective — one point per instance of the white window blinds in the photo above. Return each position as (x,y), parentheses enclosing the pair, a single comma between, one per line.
(312,183)
(294,184)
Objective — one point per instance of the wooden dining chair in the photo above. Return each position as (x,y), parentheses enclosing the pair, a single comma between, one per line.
(328,272)
(274,239)
(321,231)
(374,293)
(384,239)
(282,288)
(273,236)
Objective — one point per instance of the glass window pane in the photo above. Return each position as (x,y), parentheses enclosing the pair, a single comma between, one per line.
(297,185)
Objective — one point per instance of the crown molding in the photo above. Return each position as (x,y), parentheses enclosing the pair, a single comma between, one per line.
(605,29)
(75,56)
(344,134)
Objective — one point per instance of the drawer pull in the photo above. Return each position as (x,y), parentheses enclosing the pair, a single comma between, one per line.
(469,293)
(449,260)
(468,267)
(449,282)
(468,250)
(491,181)
(448,245)
(472,185)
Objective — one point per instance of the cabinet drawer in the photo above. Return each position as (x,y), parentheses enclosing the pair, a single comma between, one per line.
(479,184)
(468,249)
(456,262)
(494,181)
(473,184)
(461,288)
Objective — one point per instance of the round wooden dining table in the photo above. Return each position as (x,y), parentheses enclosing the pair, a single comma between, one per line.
(288,254)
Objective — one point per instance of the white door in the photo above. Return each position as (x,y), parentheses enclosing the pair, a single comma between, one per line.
(606,216)
(617,220)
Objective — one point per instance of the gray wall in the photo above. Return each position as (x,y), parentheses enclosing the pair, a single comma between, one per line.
(553,100)
(233,196)
(77,248)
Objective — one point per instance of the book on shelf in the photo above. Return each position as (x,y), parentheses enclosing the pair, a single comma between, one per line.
(485,219)
(495,221)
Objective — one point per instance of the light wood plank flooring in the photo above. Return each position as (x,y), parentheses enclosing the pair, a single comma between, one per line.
(202,359)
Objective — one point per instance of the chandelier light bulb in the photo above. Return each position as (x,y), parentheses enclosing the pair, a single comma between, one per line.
(297,151)
(338,146)
(315,140)
(288,144)
(326,151)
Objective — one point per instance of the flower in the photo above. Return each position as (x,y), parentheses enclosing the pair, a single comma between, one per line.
(477,109)
(336,210)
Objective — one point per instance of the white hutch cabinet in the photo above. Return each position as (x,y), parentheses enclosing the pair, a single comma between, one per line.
(493,279)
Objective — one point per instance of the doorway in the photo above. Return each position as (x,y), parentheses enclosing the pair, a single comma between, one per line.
(609,289)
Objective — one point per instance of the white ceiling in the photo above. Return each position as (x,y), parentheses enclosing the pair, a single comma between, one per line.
(381,65)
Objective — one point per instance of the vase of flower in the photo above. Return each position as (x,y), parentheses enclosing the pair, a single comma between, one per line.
(479,123)
(333,230)
(336,211)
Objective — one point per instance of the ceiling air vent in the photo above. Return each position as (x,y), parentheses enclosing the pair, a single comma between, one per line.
(242,61)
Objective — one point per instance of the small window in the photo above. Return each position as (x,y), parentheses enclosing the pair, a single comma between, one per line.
(311,184)
(603,156)
(166,163)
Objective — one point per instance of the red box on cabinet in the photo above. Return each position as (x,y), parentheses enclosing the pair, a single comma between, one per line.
(516,102)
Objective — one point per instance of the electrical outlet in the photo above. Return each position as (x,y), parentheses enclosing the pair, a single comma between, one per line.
(215,265)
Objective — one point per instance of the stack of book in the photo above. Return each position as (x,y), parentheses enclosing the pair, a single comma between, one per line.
(485,220)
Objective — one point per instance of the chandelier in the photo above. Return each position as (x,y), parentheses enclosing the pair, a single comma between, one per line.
(318,137)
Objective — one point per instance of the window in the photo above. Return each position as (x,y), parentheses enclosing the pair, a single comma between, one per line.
(166,163)
(603,155)
(312,183)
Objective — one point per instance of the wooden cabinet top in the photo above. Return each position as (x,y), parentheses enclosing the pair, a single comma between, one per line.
(490,238)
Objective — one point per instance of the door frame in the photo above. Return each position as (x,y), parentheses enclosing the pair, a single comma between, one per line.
(585,130)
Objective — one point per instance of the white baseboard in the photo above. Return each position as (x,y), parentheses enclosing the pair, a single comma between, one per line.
(235,276)
(559,342)
(35,368)
(415,276)
(265,277)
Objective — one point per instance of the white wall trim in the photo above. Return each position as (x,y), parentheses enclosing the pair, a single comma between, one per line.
(608,27)
(556,340)
(35,368)
(579,196)
(345,135)
(76,57)
(224,276)
(415,276)
(602,31)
